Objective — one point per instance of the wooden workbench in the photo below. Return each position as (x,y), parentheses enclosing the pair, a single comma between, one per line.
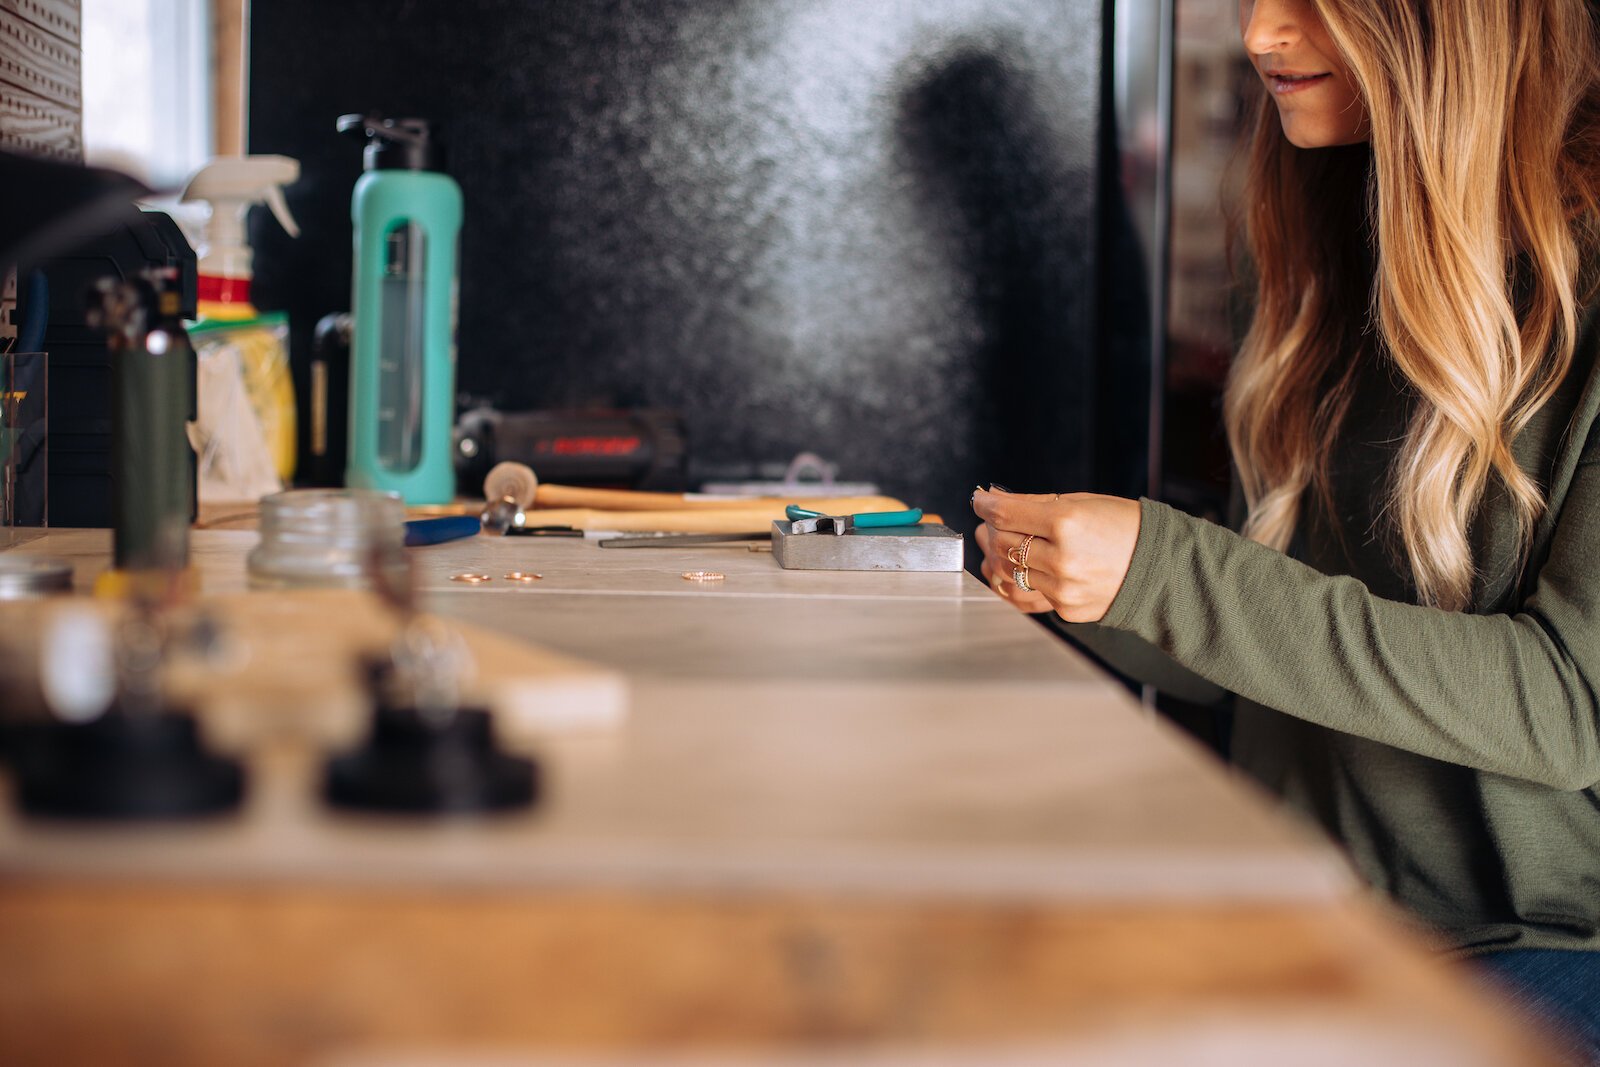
(845,818)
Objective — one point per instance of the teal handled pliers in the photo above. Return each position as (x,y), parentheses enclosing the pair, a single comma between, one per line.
(802,521)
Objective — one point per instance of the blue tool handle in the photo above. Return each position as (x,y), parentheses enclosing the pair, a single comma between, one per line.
(438,531)
(888,518)
(796,513)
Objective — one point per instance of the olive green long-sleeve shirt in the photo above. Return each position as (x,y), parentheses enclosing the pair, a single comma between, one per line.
(1456,755)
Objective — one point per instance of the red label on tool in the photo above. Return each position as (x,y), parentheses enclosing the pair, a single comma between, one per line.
(589,446)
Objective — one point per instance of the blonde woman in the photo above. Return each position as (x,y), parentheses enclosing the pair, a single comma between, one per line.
(1408,620)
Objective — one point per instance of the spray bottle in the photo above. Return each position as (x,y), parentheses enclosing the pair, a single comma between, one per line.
(407,215)
(246,425)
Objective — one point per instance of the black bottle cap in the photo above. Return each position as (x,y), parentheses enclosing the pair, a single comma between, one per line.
(395,144)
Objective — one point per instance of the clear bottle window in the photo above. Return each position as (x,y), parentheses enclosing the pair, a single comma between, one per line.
(402,318)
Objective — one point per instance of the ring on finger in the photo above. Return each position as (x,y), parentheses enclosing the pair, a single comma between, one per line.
(1020,573)
(1011,555)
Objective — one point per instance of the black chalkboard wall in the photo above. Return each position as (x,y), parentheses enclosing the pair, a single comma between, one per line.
(875,229)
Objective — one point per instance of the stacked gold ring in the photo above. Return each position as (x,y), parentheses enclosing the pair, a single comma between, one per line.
(1019,562)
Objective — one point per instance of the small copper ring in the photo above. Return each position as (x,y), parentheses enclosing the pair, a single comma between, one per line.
(471,579)
(524,577)
(703,576)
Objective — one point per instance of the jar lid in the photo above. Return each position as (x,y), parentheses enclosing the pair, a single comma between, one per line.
(24,577)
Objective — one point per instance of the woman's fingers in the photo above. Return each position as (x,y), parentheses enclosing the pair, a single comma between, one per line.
(1043,556)
(997,572)
(994,566)
(1018,513)
(1080,548)
(999,567)
(1030,601)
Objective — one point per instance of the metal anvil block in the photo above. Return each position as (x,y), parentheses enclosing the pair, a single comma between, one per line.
(928,547)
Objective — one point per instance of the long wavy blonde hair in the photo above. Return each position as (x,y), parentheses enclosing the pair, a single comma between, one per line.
(1452,246)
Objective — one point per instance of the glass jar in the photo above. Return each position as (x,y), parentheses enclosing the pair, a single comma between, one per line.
(326,538)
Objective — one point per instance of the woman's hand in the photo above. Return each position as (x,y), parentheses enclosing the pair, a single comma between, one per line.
(1082,545)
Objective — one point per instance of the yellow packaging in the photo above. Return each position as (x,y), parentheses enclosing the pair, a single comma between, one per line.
(259,347)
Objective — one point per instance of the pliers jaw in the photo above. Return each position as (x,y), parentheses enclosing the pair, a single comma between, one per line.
(834,524)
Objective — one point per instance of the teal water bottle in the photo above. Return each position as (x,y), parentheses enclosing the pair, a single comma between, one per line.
(407,216)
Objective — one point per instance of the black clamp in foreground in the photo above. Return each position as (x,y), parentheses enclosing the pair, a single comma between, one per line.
(123,766)
(413,764)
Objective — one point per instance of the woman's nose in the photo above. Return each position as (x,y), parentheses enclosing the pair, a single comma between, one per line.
(1272,25)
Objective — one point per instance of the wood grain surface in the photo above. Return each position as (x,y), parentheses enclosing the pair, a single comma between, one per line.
(272,978)
(228,35)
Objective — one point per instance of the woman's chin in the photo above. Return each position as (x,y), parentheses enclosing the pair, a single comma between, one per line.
(1303,134)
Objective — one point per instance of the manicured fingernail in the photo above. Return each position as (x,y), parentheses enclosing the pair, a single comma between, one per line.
(996,487)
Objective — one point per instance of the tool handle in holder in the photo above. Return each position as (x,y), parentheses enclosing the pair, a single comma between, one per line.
(152,375)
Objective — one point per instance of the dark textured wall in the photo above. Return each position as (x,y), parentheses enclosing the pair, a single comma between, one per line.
(863,227)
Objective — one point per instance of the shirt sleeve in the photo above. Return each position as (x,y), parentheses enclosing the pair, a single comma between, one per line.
(1143,662)
(1511,694)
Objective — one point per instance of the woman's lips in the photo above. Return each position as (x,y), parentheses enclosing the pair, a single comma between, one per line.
(1282,84)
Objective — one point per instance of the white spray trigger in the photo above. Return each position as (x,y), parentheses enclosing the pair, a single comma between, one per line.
(280,210)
